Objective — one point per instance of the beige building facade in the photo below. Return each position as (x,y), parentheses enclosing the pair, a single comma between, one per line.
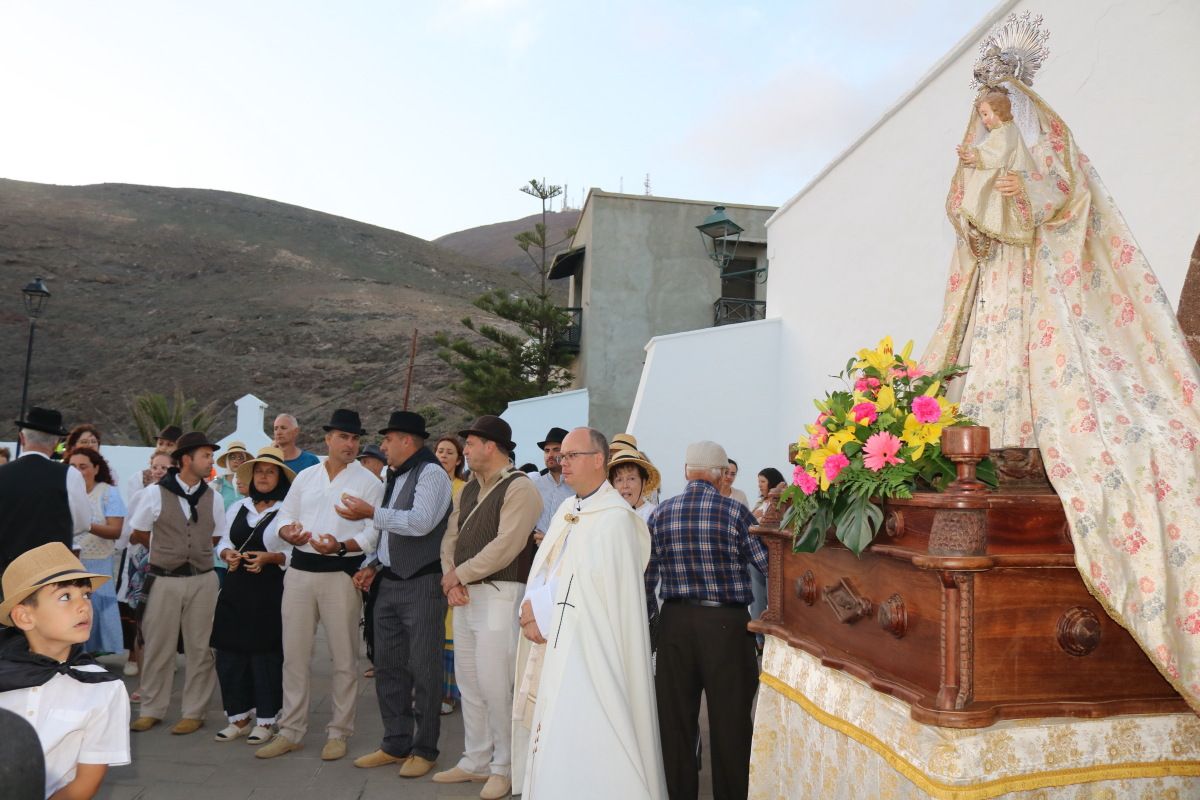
(638,268)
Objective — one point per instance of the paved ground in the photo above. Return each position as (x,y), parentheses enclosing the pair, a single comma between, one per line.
(167,767)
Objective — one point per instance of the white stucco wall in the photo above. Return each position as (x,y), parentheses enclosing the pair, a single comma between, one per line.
(719,384)
(531,419)
(863,251)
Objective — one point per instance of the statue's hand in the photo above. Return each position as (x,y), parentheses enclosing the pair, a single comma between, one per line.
(1009,185)
(966,154)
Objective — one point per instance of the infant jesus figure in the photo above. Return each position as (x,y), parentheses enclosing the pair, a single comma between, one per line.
(988,213)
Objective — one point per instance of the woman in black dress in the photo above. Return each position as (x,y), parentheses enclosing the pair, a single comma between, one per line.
(247,628)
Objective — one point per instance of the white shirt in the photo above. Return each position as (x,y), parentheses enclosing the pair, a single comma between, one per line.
(253,516)
(77,496)
(77,723)
(645,510)
(311,501)
(553,492)
(150,507)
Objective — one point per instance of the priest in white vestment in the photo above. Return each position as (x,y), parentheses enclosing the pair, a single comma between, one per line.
(585,721)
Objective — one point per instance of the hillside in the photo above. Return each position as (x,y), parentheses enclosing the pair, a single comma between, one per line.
(221,294)
(494,245)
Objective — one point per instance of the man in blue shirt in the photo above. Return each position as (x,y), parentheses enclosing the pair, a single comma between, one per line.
(287,431)
(700,547)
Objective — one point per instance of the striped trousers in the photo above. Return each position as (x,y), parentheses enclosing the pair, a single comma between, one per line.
(410,630)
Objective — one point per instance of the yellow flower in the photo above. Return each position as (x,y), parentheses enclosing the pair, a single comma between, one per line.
(885,399)
(918,435)
(833,445)
(881,358)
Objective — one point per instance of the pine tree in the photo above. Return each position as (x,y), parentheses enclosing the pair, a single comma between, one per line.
(510,366)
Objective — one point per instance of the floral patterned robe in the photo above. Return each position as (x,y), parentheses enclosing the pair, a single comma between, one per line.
(1076,350)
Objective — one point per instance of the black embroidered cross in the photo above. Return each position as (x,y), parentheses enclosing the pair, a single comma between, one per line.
(563,612)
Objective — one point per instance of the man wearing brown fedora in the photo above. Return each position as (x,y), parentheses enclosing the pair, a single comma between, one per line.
(488,530)
(185,515)
(410,611)
(324,551)
(41,500)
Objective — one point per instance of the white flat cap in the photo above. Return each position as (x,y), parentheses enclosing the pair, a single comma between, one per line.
(706,455)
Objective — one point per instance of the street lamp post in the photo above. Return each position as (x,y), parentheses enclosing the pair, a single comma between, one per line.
(35,295)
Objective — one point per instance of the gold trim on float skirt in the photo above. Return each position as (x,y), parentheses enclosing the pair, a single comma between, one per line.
(985,789)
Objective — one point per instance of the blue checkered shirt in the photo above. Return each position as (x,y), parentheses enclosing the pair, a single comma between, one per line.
(700,545)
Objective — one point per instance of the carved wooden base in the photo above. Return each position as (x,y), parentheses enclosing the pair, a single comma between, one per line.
(968,608)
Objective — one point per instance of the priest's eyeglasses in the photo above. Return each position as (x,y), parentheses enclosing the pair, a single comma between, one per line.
(569,457)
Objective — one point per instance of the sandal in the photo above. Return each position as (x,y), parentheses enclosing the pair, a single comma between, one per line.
(232,731)
(260,735)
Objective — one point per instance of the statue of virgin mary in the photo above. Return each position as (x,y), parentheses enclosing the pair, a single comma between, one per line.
(1072,347)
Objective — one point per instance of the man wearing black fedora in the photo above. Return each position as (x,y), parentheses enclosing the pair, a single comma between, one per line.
(410,611)
(41,501)
(185,515)
(550,484)
(483,579)
(324,551)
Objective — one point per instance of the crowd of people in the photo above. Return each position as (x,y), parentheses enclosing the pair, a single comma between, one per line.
(476,585)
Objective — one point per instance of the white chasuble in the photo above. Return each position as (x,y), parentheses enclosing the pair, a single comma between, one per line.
(585,723)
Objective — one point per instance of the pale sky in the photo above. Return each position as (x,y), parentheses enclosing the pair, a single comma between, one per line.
(426,117)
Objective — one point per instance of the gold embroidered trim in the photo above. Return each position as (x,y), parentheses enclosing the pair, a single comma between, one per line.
(985,789)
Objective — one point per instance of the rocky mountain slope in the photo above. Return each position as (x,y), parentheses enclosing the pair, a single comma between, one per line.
(221,294)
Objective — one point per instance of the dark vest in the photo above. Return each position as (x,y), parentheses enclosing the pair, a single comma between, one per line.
(34,509)
(410,554)
(482,524)
(177,540)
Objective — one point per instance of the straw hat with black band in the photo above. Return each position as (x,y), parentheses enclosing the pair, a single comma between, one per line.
(234,447)
(266,455)
(42,566)
(637,459)
(623,441)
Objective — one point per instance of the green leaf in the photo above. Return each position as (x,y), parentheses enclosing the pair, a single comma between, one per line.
(857,524)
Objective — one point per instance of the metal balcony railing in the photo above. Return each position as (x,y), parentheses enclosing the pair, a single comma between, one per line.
(573,336)
(729,310)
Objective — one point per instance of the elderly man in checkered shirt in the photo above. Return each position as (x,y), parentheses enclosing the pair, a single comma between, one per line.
(700,548)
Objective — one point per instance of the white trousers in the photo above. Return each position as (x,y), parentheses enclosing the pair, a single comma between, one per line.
(485,653)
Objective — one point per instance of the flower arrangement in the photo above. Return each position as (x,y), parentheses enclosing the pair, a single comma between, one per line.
(878,438)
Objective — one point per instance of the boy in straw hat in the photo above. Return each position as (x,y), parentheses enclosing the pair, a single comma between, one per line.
(79,710)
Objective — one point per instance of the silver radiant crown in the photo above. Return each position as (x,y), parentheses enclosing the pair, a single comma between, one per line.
(1014,49)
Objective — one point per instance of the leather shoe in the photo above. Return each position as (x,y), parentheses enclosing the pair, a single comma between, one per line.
(333,750)
(415,767)
(459,775)
(278,746)
(497,786)
(144,724)
(187,725)
(376,759)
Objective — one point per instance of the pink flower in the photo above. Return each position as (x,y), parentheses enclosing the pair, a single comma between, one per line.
(801,478)
(834,466)
(926,410)
(865,413)
(817,439)
(866,385)
(881,450)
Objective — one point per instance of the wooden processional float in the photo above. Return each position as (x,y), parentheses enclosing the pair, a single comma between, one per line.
(967,606)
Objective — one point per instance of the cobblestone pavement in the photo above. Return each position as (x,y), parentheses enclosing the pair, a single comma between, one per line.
(167,767)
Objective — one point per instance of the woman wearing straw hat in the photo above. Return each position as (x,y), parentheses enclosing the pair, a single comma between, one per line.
(247,627)
(635,478)
(227,486)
